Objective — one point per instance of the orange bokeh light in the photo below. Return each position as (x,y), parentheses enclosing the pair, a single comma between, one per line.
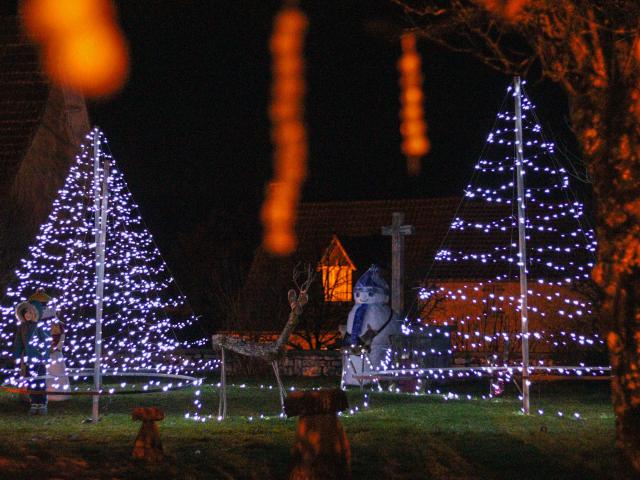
(288,132)
(83,48)
(413,127)
(510,10)
(48,18)
(93,61)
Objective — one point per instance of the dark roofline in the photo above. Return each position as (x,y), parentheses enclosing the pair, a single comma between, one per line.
(354,203)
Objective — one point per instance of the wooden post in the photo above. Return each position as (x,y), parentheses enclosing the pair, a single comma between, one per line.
(148,445)
(321,450)
(397,231)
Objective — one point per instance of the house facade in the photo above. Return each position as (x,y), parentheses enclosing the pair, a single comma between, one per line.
(342,239)
(41,128)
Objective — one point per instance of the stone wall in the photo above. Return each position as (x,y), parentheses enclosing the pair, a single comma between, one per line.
(312,363)
(297,363)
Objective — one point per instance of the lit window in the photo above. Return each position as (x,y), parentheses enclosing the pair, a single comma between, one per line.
(336,281)
(336,268)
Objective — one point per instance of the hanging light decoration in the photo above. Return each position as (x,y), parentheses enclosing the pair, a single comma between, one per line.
(287,133)
(83,48)
(413,127)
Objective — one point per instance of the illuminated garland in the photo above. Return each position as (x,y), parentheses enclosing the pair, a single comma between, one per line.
(145,321)
(413,127)
(288,133)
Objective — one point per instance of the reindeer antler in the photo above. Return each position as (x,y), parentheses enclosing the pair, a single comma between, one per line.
(303,276)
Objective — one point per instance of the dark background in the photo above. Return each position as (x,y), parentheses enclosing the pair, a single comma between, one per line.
(191,133)
(190,128)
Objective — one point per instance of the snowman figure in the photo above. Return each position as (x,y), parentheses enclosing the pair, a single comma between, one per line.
(370,324)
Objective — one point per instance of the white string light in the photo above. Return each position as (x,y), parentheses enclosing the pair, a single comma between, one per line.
(482,244)
(146,320)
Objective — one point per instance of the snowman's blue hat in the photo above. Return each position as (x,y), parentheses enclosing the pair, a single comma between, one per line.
(372,279)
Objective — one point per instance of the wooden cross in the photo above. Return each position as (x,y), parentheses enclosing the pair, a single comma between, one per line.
(397,231)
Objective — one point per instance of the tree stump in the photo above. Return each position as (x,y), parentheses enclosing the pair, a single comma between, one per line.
(148,445)
(321,450)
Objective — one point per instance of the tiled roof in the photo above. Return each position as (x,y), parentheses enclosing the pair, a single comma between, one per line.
(363,220)
(41,127)
(358,225)
(24,92)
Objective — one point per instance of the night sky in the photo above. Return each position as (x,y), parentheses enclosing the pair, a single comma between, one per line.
(191,133)
(190,129)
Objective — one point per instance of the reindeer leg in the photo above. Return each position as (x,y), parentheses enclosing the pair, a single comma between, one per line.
(274,363)
(222,405)
(345,366)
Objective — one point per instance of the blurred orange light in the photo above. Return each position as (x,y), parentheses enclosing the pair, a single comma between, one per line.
(47,18)
(93,61)
(510,10)
(82,46)
(288,132)
(413,127)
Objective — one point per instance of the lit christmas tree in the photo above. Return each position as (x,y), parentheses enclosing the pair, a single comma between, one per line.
(512,276)
(144,318)
(481,257)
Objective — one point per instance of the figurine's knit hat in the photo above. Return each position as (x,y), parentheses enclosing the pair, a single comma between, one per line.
(35,303)
(372,279)
(39,299)
(39,296)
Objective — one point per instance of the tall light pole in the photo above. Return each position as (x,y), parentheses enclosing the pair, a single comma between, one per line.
(522,246)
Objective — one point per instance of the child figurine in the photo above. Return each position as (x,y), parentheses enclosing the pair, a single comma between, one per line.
(32,349)
(57,379)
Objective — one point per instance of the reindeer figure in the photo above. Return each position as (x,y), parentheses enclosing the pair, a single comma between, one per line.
(272,351)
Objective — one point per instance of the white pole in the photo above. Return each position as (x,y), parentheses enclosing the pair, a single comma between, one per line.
(96,208)
(522,248)
(96,188)
(101,202)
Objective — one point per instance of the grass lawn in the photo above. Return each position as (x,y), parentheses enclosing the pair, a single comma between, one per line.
(398,437)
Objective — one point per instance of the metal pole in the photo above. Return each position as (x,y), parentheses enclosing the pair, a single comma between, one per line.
(96,188)
(522,248)
(101,240)
(96,223)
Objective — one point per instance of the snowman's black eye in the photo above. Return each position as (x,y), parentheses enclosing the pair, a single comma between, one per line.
(371,294)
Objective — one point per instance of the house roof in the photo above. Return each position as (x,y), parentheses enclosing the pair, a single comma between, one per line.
(335,254)
(24,91)
(358,226)
(41,128)
(367,250)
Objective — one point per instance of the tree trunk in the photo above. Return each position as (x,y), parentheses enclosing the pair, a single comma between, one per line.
(607,122)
